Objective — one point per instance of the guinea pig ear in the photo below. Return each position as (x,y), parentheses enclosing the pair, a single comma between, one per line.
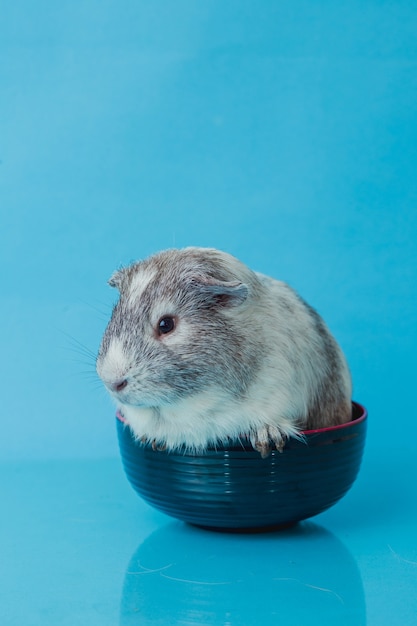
(116,278)
(230,293)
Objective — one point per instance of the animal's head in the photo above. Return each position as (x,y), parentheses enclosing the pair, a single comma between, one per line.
(178,328)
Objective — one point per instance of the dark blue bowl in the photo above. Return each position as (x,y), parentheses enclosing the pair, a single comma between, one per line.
(233,488)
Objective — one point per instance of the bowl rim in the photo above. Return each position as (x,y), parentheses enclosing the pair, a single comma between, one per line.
(315,431)
(357,420)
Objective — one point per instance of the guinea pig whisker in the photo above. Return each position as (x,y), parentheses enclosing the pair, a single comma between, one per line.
(79,348)
(104,312)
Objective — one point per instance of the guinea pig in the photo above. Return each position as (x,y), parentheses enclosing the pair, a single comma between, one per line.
(200,349)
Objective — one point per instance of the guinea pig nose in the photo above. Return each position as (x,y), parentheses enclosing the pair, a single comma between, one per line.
(118,385)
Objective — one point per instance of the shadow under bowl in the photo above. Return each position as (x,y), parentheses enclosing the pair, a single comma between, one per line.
(232,488)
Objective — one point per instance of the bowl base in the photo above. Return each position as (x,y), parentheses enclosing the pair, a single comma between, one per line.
(272,528)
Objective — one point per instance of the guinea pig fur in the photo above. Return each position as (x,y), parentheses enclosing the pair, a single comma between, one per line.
(200,350)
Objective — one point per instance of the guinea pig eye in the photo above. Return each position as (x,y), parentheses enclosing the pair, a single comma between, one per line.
(166,325)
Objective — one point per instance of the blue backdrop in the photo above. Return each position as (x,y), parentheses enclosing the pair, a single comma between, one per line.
(283,132)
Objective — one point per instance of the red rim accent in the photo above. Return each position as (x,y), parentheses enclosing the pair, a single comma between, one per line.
(358,420)
(121,418)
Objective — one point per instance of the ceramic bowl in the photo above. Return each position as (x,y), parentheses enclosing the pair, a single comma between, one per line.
(232,488)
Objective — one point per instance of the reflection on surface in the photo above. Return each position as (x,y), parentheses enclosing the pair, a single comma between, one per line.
(186,576)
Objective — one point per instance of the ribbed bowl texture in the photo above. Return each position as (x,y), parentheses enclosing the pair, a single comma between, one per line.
(233,488)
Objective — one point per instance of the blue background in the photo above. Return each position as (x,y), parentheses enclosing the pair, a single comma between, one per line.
(282,132)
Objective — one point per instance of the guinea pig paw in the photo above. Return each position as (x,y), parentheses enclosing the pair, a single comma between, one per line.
(263,448)
(278,438)
(158,447)
(266,437)
(260,442)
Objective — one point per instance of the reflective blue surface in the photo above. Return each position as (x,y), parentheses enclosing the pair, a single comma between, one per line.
(282,132)
(78,546)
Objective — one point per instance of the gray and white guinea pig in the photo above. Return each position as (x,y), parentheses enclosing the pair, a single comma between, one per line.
(200,349)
